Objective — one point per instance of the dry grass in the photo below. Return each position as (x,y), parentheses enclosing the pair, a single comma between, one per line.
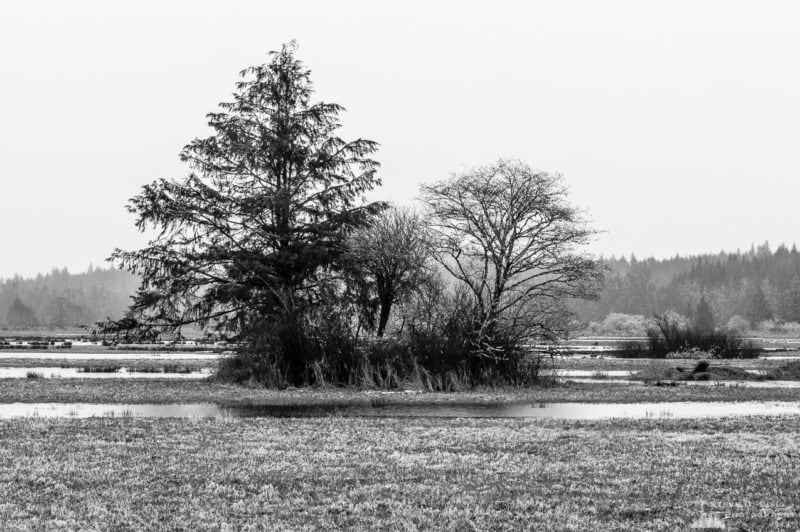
(410,474)
(180,391)
(635,364)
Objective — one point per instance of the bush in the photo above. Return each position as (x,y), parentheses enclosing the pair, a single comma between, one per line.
(435,351)
(618,324)
(772,326)
(694,353)
(778,327)
(738,325)
(674,339)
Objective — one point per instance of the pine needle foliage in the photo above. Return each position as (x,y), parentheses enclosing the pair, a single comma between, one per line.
(253,232)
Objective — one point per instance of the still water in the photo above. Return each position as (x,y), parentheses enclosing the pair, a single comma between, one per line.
(546,410)
(139,355)
(76,373)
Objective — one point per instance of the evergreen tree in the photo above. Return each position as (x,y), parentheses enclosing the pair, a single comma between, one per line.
(246,242)
(19,315)
(791,300)
(757,307)
(704,317)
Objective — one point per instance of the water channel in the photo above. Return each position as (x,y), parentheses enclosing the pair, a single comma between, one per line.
(575,411)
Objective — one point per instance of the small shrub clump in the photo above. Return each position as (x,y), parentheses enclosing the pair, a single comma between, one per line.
(436,352)
(672,339)
(694,353)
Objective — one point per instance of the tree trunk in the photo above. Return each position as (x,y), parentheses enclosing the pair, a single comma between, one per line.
(383,319)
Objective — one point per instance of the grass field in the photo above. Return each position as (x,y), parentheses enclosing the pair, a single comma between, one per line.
(393,473)
(177,391)
(410,474)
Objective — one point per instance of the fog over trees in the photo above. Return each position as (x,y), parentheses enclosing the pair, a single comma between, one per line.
(758,285)
(746,287)
(61,299)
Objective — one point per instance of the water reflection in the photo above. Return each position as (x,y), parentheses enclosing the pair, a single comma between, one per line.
(548,410)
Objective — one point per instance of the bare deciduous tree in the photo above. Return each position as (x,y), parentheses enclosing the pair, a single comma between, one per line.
(388,259)
(509,234)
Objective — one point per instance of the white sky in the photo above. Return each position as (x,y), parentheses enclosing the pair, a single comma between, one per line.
(676,124)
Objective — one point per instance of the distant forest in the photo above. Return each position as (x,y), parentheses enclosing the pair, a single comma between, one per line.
(62,299)
(758,286)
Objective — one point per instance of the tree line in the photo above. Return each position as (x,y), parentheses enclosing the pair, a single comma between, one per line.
(61,299)
(745,289)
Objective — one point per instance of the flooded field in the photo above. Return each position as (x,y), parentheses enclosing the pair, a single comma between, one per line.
(80,373)
(89,355)
(666,383)
(572,373)
(571,411)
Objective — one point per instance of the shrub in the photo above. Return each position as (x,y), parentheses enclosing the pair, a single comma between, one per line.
(772,326)
(779,327)
(674,339)
(99,369)
(738,325)
(294,350)
(618,324)
(693,353)
(435,350)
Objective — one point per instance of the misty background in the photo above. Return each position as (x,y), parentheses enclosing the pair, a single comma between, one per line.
(674,123)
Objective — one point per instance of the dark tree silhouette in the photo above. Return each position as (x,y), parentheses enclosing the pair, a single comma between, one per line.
(247,239)
(387,261)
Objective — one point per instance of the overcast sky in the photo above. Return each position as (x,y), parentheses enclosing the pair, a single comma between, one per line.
(675,124)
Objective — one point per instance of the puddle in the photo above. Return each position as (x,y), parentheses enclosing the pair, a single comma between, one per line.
(76,373)
(66,355)
(547,410)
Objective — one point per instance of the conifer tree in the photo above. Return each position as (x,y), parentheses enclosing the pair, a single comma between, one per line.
(245,241)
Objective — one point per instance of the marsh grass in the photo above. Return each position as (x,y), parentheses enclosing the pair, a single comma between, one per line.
(661,372)
(167,368)
(671,340)
(415,474)
(379,401)
(33,375)
(201,391)
(787,371)
(105,368)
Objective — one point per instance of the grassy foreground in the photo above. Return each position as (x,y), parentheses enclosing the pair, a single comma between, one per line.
(179,391)
(410,474)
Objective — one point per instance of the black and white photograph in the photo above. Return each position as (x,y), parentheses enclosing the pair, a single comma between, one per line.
(423,265)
